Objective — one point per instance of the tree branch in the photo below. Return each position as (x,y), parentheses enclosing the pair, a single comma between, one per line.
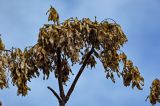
(60,74)
(55,94)
(5,50)
(78,75)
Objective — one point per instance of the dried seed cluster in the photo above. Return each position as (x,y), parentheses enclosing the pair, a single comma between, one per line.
(73,38)
(154,96)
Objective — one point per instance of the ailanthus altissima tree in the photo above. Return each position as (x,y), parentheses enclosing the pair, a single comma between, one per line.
(60,46)
(154,96)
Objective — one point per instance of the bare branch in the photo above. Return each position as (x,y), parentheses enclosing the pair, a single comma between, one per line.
(60,74)
(5,50)
(78,75)
(55,94)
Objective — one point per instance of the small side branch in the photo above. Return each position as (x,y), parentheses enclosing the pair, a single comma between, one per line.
(55,94)
(5,50)
(78,75)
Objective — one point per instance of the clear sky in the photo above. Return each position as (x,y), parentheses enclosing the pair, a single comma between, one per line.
(20,21)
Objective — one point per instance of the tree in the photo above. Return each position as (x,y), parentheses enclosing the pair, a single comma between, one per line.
(154,96)
(63,45)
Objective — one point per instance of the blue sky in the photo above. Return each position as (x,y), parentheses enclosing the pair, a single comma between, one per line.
(20,21)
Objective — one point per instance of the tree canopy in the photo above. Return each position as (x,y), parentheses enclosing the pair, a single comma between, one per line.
(62,45)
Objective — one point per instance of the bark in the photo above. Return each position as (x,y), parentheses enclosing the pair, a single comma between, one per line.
(0,103)
(62,104)
(55,93)
(62,95)
(62,98)
(78,75)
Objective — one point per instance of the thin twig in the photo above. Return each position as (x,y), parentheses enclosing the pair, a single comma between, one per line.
(54,92)
(147,98)
(106,20)
(5,50)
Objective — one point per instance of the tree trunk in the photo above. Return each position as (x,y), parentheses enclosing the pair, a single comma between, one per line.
(0,103)
(61,104)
